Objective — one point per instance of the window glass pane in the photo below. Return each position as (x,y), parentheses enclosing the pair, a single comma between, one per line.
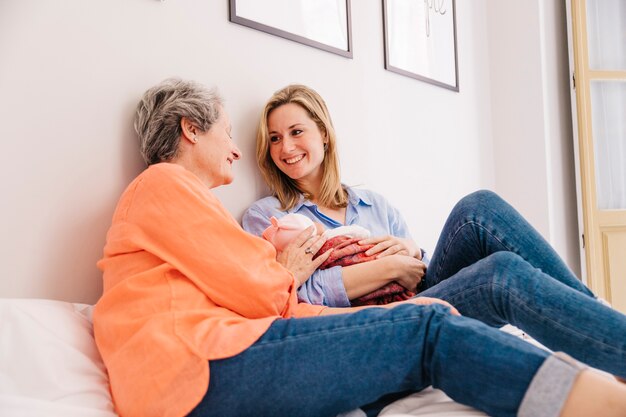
(608,107)
(606,27)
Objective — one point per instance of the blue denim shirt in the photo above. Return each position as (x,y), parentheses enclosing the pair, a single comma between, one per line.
(365,208)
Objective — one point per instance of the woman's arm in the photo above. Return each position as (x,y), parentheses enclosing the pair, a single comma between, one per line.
(363,278)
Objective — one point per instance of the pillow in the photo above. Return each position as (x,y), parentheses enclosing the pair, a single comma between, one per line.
(49,363)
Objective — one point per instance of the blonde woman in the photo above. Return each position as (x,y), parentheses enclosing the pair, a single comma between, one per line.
(489,262)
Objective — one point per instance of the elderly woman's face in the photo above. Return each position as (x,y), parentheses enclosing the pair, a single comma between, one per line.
(215,152)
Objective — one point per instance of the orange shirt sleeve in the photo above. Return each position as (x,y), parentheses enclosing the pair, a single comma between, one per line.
(183,283)
(173,216)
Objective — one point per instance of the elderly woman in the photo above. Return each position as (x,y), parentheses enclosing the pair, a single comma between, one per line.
(198,318)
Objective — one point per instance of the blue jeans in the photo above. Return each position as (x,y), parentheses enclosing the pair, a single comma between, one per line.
(322,366)
(492,265)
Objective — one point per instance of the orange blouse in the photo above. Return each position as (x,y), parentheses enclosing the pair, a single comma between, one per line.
(183,284)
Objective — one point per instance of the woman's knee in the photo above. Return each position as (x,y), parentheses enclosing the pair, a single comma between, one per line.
(432,319)
(503,259)
(429,318)
(480,199)
(502,267)
(421,312)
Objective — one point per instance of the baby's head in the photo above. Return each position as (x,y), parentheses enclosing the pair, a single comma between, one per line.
(287,228)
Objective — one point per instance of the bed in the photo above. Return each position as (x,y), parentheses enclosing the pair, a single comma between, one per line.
(49,366)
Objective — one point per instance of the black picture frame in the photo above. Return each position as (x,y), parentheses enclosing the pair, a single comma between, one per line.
(251,23)
(445,77)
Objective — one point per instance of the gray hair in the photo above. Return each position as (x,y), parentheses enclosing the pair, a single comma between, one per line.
(159,113)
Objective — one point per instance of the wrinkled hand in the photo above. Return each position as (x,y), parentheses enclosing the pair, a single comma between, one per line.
(424,301)
(391,245)
(297,257)
(408,271)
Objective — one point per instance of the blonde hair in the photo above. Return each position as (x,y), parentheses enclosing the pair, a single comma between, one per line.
(331,192)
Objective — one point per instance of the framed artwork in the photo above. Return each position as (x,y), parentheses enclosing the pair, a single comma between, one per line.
(322,24)
(420,40)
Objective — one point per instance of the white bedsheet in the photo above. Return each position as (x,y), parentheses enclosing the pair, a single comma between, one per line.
(49,366)
(429,402)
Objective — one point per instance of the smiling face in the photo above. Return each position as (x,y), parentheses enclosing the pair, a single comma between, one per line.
(215,152)
(296,144)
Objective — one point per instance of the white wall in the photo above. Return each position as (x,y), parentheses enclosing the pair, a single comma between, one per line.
(71,73)
(532,129)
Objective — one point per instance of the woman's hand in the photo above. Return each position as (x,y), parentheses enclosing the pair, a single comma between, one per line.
(408,271)
(297,257)
(391,245)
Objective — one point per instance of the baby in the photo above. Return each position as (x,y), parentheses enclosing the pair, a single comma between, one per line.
(346,251)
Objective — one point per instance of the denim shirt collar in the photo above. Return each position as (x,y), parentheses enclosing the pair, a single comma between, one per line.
(301,202)
(355,197)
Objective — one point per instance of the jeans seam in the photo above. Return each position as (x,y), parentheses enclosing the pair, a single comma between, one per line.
(525,306)
(457,231)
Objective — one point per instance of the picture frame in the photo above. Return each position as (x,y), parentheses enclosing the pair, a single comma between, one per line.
(322,24)
(421,40)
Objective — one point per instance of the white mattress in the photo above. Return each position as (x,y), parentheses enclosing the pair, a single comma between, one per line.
(49,366)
